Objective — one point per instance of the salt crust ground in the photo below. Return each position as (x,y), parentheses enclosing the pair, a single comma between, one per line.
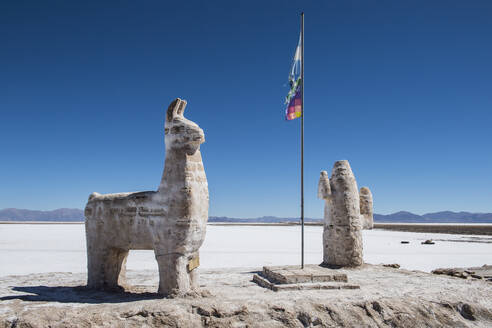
(228,298)
(31,248)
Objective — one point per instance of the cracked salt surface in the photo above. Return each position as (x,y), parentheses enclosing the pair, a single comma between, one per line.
(423,300)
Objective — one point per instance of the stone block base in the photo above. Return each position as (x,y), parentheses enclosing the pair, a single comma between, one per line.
(294,278)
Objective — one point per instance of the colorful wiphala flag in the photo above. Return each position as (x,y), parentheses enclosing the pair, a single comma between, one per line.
(293,99)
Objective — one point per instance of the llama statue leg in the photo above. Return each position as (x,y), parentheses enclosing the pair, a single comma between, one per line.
(115,268)
(95,266)
(95,254)
(107,268)
(173,275)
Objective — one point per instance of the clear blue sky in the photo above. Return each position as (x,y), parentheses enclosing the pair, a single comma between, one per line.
(402,89)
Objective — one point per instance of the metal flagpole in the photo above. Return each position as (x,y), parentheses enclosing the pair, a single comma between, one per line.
(302,140)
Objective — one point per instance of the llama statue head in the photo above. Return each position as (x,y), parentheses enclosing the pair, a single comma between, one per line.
(181,133)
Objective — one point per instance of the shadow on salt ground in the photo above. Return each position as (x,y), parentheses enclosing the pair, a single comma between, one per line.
(78,294)
(251,272)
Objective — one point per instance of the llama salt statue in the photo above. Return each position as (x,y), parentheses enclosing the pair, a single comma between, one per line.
(171,221)
(346,212)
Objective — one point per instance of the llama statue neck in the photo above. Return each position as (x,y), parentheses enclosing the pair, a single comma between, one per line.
(184,184)
(179,170)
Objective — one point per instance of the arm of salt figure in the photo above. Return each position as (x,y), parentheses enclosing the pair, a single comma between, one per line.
(324,190)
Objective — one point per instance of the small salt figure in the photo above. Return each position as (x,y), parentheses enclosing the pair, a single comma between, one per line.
(366,212)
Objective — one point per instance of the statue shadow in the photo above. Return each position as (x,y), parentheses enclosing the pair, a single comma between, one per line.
(77,294)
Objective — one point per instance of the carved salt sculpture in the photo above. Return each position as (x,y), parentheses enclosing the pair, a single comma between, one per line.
(342,234)
(366,211)
(171,221)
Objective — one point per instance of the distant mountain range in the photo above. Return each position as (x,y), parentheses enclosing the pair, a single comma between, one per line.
(61,214)
(436,217)
(399,217)
(77,215)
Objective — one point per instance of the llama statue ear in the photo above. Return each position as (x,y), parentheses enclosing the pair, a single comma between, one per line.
(176,108)
(182,107)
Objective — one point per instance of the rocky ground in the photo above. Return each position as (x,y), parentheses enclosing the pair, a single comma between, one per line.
(483,272)
(388,297)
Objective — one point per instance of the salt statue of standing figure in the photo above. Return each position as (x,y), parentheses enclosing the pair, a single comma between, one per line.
(342,234)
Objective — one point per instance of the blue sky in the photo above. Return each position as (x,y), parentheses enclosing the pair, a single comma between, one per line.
(402,89)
